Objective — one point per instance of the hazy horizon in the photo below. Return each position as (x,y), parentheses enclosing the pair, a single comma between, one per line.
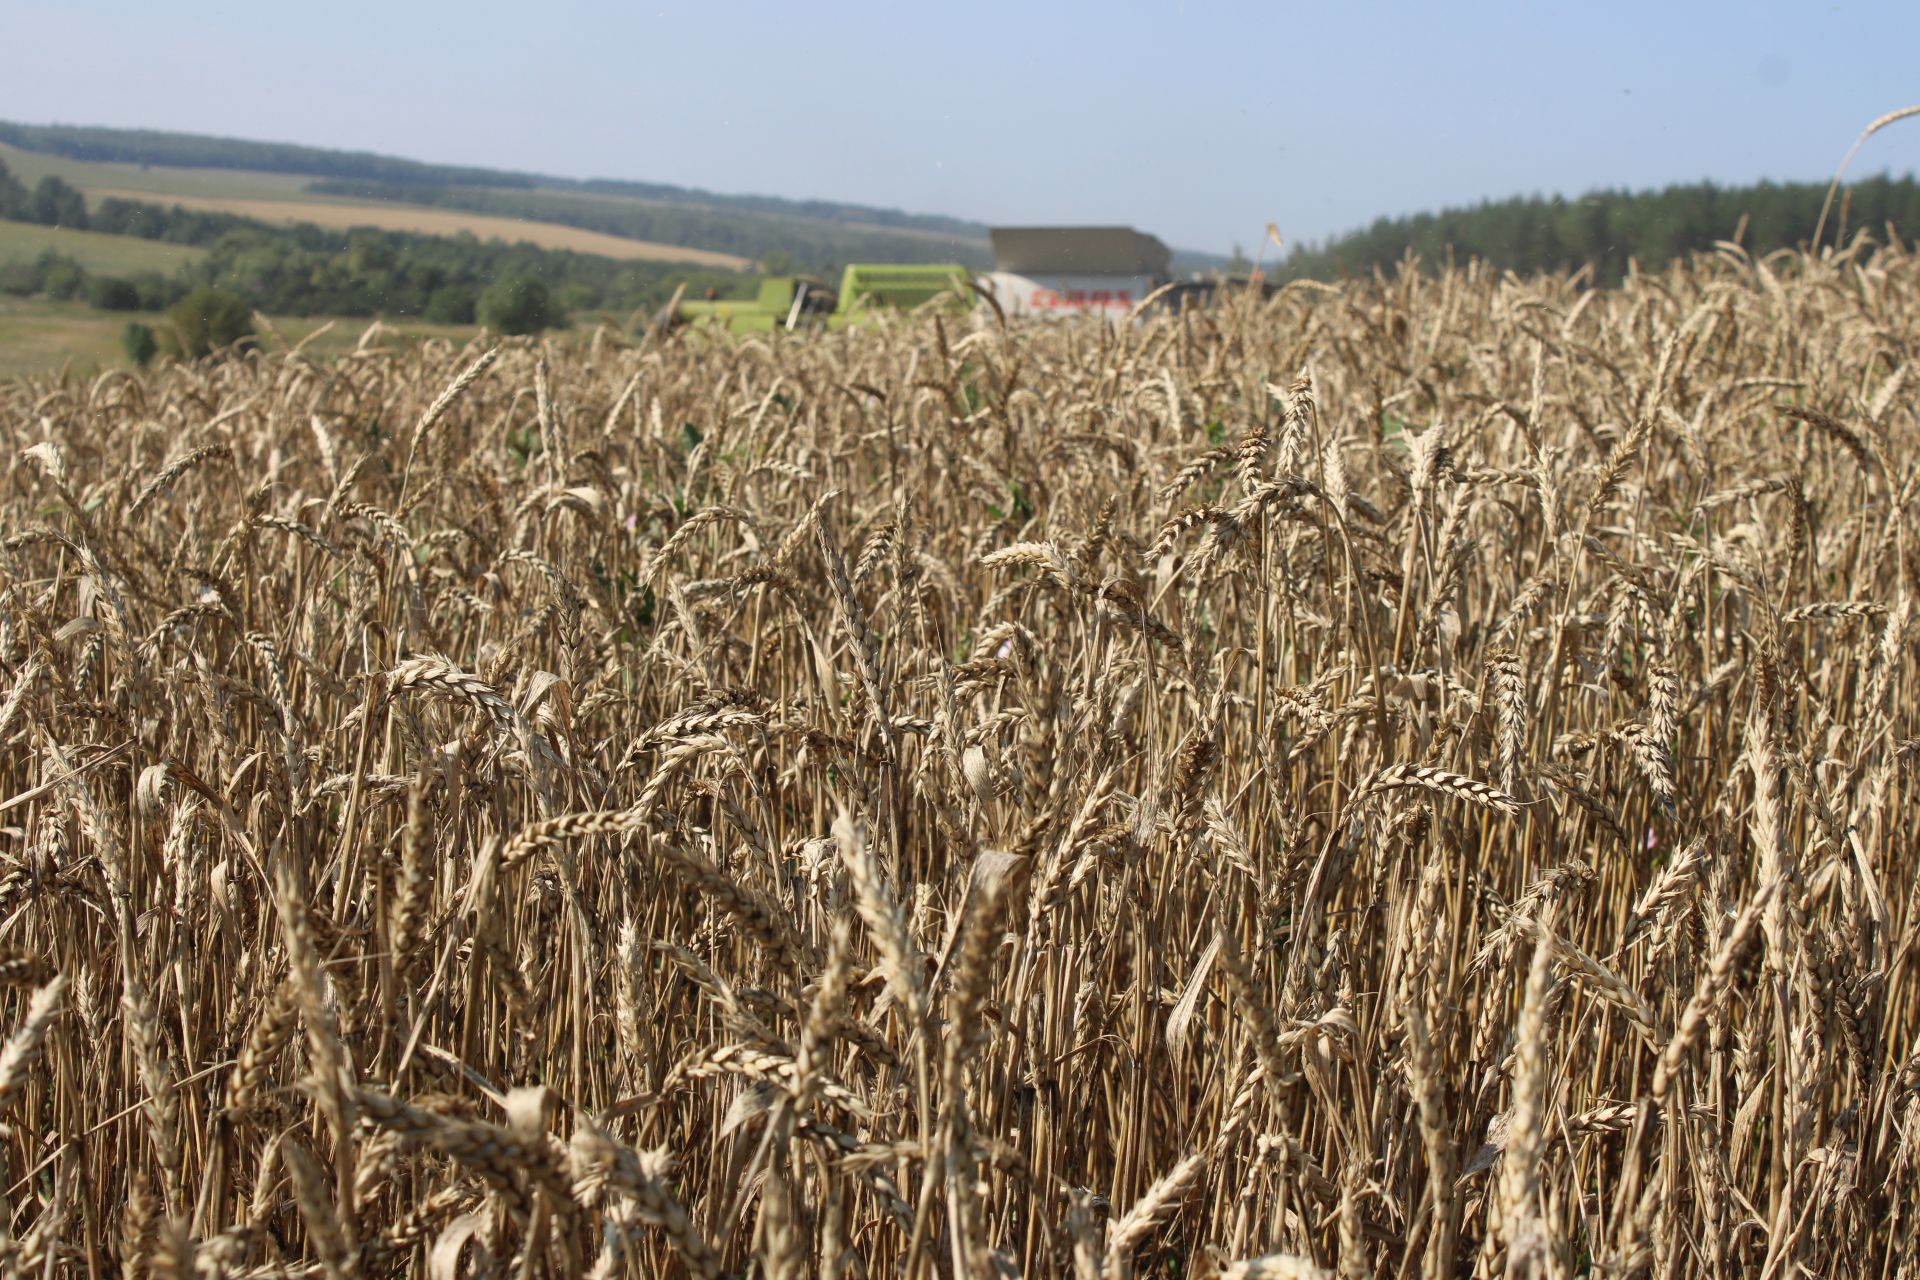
(1200,130)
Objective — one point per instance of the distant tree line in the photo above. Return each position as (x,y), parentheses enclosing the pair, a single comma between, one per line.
(1606,228)
(154,146)
(308,270)
(819,210)
(810,244)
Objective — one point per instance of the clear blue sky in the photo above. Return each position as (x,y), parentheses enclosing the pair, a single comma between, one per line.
(1200,123)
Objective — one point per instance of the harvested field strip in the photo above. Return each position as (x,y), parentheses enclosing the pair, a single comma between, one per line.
(958,798)
(443,222)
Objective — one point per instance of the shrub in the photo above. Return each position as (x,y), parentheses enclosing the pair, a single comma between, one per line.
(157,291)
(61,277)
(518,304)
(21,279)
(111,293)
(139,342)
(208,320)
(450,304)
(576,296)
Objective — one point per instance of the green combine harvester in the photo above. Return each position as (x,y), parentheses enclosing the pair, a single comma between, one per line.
(805,302)
(1116,274)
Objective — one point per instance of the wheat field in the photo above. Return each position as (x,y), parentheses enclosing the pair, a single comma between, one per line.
(1404,778)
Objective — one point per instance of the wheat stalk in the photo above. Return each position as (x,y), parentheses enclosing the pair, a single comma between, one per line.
(1440,782)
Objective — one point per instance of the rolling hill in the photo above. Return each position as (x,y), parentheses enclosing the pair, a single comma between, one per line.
(290,199)
(676,223)
(681,223)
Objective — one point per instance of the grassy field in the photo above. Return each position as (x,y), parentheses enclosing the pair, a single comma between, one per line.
(981,799)
(279,197)
(100,254)
(38,336)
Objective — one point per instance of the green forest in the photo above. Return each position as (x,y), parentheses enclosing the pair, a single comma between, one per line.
(1534,234)
(154,146)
